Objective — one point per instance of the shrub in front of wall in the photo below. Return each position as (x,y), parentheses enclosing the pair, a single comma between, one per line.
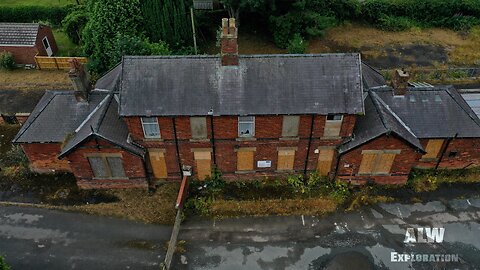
(7,61)
(297,45)
(394,23)
(27,14)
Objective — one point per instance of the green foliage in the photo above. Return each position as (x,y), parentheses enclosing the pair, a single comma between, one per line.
(296,183)
(7,61)
(3,264)
(297,45)
(14,157)
(215,183)
(394,23)
(299,21)
(111,23)
(27,14)
(167,20)
(74,23)
(200,205)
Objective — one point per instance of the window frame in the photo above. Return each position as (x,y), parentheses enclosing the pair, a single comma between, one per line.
(106,164)
(155,123)
(334,120)
(252,122)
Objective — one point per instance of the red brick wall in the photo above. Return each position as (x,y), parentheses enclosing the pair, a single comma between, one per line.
(22,55)
(45,31)
(268,130)
(403,163)
(133,165)
(43,157)
(468,154)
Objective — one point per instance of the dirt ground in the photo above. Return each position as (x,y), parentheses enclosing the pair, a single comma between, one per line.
(20,79)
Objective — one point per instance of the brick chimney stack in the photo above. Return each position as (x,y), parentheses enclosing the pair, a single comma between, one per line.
(400,82)
(228,43)
(79,78)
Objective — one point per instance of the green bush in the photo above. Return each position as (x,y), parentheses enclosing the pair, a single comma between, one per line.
(3,264)
(394,23)
(27,14)
(297,45)
(14,157)
(74,23)
(7,61)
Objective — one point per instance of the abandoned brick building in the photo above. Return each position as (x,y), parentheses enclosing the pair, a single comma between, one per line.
(248,116)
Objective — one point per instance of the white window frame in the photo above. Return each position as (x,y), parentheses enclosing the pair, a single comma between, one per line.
(155,123)
(252,122)
(338,120)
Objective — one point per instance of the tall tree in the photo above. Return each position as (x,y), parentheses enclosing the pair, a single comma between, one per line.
(234,7)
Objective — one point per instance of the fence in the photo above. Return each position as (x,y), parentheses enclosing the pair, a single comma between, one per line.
(45,62)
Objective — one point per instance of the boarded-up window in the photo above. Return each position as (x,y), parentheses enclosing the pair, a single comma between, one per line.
(377,161)
(286,159)
(333,125)
(203,163)
(245,159)
(107,167)
(290,126)
(198,126)
(325,160)
(157,161)
(98,167)
(433,148)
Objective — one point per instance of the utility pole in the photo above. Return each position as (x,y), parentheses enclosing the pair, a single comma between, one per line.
(193,30)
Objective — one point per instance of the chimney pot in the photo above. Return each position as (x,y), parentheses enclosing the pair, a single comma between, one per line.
(228,43)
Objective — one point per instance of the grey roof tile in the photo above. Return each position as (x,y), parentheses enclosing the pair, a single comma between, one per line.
(261,84)
(372,77)
(473,100)
(18,33)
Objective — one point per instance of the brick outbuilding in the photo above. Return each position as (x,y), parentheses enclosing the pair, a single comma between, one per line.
(25,40)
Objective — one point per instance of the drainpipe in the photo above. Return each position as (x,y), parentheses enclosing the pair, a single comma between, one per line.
(213,141)
(176,146)
(338,164)
(445,150)
(309,145)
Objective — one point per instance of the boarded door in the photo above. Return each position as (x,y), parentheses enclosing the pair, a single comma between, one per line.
(203,164)
(244,160)
(325,161)
(433,148)
(286,159)
(157,161)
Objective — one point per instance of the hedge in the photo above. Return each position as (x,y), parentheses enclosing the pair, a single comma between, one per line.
(27,14)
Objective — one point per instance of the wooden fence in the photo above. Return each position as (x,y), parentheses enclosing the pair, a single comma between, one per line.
(45,62)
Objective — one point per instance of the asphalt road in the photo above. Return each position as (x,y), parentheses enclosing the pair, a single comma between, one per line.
(34,238)
(351,241)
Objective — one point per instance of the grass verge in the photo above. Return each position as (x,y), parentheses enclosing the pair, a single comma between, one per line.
(65,46)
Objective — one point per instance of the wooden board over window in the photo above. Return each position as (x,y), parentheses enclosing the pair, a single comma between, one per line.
(433,148)
(245,160)
(203,162)
(286,159)
(332,128)
(377,161)
(325,160)
(157,161)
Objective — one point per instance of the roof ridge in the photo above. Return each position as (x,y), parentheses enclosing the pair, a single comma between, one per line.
(90,115)
(104,112)
(374,101)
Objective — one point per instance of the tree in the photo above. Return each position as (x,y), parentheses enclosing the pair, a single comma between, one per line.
(234,7)
(108,19)
(74,23)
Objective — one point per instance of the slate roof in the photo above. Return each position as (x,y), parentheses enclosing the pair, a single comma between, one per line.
(110,80)
(23,34)
(372,77)
(438,112)
(58,115)
(104,123)
(379,120)
(260,85)
(473,100)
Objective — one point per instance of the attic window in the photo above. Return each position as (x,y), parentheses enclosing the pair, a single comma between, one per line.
(246,126)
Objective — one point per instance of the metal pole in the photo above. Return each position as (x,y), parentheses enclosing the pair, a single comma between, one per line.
(193,30)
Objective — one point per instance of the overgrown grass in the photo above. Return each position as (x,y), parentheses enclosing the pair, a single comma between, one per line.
(422,180)
(65,46)
(7,133)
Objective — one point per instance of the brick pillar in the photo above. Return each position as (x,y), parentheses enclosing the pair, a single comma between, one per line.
(228,43)
(400,82)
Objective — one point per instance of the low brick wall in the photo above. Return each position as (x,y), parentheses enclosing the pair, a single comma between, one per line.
(112,184)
